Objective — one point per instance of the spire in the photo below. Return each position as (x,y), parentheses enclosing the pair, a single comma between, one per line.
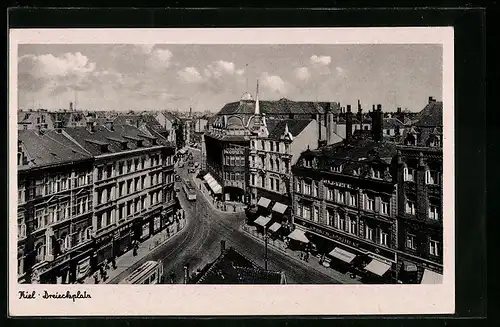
(257,106)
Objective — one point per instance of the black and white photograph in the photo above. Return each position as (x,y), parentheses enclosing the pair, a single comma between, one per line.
(158,163)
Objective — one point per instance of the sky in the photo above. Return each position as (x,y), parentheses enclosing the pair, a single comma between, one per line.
(126,77)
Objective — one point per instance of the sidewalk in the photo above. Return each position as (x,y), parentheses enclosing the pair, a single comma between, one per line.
(238,207)
(313,261)
(127,260)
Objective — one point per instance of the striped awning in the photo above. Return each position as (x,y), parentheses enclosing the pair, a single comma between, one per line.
(213,184)
(264,202)
(279,207)
(262,221)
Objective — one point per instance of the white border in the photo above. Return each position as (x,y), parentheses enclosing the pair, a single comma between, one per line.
(202,300)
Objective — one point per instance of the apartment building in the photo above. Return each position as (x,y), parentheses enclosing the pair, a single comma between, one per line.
(420,198)
(345,202)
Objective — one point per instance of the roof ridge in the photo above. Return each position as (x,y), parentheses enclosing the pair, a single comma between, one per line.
(64,145)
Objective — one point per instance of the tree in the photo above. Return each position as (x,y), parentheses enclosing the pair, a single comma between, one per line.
(179,133)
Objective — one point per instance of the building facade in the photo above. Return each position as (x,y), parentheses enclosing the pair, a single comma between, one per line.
(122,191)
(34,120)
(420,198)
(345,202)
(230,154)
(54,210)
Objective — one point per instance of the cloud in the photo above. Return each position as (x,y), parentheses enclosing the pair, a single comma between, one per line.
(160,58)
(272,83)
(302,73)
(190,75)
(59,73)
(321,60)
(340,71)
(145,48)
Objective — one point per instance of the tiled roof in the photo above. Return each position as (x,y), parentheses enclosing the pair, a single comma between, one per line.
(91,142)
(431,115)
(280,107)
(357,154)
(50,148)
(294,126)
(232,267)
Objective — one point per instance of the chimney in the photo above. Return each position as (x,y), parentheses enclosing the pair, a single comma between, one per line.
(377,119)
(71,106)
(90,126)
(431,99)
(348,124)
(360,115)
(58,126)
(222,246)
(399,110)
(109,125)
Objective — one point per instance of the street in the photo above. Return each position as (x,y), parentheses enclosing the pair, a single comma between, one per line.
(199,243)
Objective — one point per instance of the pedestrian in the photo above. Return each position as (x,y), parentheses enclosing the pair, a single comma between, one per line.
(106,265)
(234,207)
(113,262)
(96,278)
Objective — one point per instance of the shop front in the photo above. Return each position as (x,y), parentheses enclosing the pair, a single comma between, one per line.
(122,238)
(156,224)
(145,230)
(415,270)
(347,254)
(104,251)
(297,240)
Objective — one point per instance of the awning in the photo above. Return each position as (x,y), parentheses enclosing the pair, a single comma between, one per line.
(409,266)
(274,227)
(298,235)
(264,202)
(342,254)
(213,184)
(431,277)
(262,221)
(279,207)
(378,267)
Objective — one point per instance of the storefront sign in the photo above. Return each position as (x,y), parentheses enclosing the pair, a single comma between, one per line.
(341,185)
(362,246)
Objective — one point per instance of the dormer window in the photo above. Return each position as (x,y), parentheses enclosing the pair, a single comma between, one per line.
(375,173)
(308,162)
(408,174)
(355,172)
(337,169)
(435,141)
(411,140)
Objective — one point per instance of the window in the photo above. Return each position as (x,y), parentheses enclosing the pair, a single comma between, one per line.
(307,188)
(277,146)
(355,172)
(329,218)
(129,166)
(341,197)
(109,171)
(337,169)
(342,225)
(431,177)
(369,233)
(409,174)
(370,202)
(307,163)
(433,247)
(352,226)
(376,173)
(410,207)
(271,145)
(383,238)
(277,185)
(262,145)
(121,189)
(384,206)
(315,189)
(129,186)
(21,194)
(40,252)
(410,241)
(99,173)
(22,230)
(353,200)
(121,167)
(330,194)
(231,176)
(316,214)
(306,212)
(272,183)
(433,212)
(271,164)
(287,167)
